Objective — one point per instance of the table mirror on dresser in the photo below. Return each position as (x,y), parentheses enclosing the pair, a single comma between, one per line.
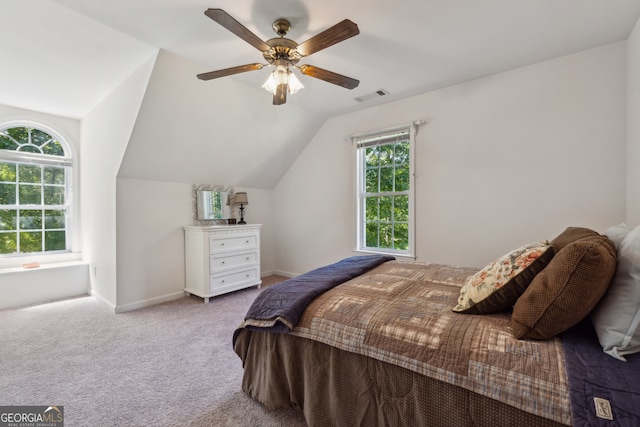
(212,204)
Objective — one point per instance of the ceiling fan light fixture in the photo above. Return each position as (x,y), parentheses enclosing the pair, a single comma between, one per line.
(282,75)
(270,85)
(294,84)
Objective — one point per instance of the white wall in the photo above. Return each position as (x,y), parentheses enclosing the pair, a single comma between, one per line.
(150,242)
(217,131)
(105,135)
(504,160)
(633,127)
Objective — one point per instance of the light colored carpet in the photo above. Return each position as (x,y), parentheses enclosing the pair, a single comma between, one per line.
(168,365)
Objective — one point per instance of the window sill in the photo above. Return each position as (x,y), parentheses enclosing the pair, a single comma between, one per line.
(400,257)
(42,267)
(16,263)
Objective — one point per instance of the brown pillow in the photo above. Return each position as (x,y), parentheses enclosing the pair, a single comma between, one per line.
(570,235)
(567,289)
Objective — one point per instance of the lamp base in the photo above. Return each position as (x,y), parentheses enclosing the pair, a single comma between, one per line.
(242,221)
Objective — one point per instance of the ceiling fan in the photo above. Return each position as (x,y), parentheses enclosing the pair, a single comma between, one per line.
(284,53)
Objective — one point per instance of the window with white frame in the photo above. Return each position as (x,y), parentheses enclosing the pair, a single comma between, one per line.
(385,191)
(35,179)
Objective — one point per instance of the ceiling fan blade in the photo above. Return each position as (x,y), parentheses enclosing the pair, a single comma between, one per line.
(229,71)
(329,76)
(280,97)
(224,19)
(339,32)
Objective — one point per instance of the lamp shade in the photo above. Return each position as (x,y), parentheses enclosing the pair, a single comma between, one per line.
(241,199)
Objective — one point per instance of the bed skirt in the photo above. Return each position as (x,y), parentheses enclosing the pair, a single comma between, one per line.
(334,387)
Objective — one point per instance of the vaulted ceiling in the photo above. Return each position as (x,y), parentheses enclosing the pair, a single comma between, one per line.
(64,57)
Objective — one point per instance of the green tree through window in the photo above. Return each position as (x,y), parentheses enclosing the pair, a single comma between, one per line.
(34,177)
(384,192)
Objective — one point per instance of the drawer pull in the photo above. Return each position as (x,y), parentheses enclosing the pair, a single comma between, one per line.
(222,281)
(222,263)
(247,241)
(221,244)
(248,275)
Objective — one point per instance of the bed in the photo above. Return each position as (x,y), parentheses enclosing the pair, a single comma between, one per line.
(382,346)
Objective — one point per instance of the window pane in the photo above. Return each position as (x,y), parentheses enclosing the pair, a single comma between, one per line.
(54,241)
(402,178)
(386,178)
(54,219)
(371,234)
(39,138)
(371,184)
(386,238)
(6,143)
(53,195)
(8,219)
(30,149)
(53,149)
(7,194)
(386,155)
(53,175)
(7,172)
(402,153)
(20,134)
(371,207)
(401,237)
(386,208)
(30,173)
(30,220)
(401,208)
(371,157)
(31,241)
(30,194)
(8,243)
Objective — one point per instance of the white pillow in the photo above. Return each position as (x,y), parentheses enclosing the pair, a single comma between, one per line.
(617,233)
(617,318)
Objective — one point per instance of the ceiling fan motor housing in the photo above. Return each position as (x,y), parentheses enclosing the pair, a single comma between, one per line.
(281,26)
(281,48)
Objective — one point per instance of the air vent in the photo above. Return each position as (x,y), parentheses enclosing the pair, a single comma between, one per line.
(376,94)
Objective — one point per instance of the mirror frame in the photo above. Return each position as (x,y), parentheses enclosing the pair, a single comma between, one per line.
(194,203)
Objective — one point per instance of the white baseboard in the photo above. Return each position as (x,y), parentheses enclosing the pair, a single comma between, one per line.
(285,274)
(149,302)
(102,300)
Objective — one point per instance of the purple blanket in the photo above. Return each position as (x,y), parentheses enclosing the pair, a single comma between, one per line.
(278,308)
(600,385)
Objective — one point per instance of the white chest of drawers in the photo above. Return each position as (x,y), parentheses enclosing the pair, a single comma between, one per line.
(221,259)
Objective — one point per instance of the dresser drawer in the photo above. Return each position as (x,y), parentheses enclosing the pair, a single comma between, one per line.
(221,262)
(230,243)
(231,279)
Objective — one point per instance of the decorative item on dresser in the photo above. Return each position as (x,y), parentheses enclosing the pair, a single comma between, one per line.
(221,259)
(241,199)
(211,205)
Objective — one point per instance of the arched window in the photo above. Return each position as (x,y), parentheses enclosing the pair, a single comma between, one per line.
(35,180)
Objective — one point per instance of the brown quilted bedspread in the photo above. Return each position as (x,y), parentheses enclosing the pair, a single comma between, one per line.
(400,313)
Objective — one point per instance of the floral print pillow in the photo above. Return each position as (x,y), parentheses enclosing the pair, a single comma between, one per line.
(498,286)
